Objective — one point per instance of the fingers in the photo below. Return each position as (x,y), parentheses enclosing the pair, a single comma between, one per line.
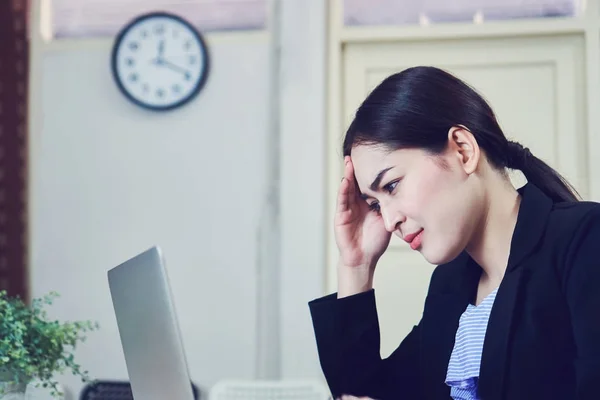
(343,198)
(347,190)
(349,175)
(347,397)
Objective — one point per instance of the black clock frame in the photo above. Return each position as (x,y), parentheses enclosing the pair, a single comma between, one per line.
(206,60)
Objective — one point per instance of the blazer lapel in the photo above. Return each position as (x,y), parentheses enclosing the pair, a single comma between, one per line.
(531,223)
(495,348)
(439,325)
(438,334)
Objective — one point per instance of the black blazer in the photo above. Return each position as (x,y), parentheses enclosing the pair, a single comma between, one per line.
(543,337)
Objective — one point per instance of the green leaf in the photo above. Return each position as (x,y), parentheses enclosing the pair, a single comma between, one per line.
(32,347)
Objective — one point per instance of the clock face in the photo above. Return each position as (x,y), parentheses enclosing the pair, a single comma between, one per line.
(159,61)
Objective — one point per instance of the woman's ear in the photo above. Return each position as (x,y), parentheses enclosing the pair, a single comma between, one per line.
(464,147)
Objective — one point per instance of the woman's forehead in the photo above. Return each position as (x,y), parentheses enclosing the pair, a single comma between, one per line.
(369,153)
(370,162)
(370,159)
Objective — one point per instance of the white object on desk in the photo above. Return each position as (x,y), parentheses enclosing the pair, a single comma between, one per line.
(37,392)
(269,390)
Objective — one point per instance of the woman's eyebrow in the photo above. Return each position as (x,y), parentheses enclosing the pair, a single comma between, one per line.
(377,181)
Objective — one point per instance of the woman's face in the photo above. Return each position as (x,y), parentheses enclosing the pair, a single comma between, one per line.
(432,201)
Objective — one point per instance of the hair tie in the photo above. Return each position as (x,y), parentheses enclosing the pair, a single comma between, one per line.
(517,156)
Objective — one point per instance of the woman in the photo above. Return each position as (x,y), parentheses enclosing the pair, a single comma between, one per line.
(513,308)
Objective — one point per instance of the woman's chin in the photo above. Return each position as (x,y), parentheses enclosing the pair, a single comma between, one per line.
(438,257)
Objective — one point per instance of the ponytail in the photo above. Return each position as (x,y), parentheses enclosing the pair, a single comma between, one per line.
(539,173)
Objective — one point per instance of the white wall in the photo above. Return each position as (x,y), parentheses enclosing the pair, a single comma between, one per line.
(302,112)
(109,180)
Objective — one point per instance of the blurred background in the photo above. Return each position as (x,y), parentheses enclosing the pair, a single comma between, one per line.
(237,185)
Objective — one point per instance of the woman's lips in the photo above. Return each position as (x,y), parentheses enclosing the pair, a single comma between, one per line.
(414,239)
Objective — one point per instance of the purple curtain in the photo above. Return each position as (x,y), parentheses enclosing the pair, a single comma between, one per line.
(13,146)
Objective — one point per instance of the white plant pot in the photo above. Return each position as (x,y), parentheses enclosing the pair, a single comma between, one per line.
(11,391)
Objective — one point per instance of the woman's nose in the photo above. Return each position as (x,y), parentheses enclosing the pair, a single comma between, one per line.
(392,220)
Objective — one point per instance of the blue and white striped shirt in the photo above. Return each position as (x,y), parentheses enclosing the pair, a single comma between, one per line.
(463,368)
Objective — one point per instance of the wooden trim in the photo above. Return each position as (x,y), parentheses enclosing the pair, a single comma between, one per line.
(446,31)
(13,145)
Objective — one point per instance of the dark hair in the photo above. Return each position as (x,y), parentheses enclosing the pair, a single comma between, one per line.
(418,106)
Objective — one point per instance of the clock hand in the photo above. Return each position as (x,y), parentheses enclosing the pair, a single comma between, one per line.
(161,48)
(172,66)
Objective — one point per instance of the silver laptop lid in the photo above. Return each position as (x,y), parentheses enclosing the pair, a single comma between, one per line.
(149,328)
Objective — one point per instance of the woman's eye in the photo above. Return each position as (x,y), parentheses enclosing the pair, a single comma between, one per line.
(390,186)
(374,207)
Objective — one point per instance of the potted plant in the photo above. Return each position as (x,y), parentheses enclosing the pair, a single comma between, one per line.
(34,348)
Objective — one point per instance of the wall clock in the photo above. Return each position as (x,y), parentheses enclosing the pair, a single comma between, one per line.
(159,61)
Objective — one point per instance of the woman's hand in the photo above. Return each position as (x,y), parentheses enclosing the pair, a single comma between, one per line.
(360,235)
(347,397)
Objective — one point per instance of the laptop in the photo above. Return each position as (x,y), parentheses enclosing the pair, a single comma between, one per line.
(149,329)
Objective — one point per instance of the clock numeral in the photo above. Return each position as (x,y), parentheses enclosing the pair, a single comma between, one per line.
(144,33)
(160,92)
(187,76)
(130,61)
(133,46)
(192,60)
(176,88)
(133,77)
(159,29)
(146,88)
(187,45)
